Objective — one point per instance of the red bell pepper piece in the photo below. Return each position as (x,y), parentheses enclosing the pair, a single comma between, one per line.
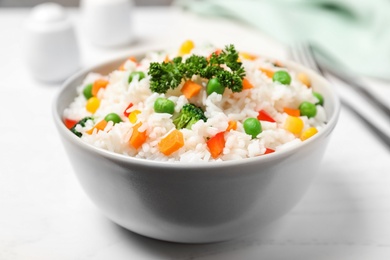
(216,144)
(69,123)
(264,116)
(125,113)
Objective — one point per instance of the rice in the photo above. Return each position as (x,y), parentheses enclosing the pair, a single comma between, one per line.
(220,109)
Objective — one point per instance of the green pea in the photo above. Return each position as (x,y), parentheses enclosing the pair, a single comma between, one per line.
(163,105)
(282,77)
(214,86)
(87,91)
(308,109)
(135,74)
(113,117)
(252,126)
(320,98)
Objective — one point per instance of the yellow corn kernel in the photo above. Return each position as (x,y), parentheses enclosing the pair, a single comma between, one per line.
(133,116)
(92,104)
(304,78)
(308,133)
(186,47)
(247,56)
(294,124)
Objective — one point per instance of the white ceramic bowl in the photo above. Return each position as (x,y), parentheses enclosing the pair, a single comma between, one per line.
(195,203)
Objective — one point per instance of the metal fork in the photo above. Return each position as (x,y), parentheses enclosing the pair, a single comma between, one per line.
(303,54)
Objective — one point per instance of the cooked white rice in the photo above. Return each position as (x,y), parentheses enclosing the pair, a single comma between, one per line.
(219,109)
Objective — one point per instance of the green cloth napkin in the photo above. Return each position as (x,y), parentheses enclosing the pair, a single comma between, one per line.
(352,34)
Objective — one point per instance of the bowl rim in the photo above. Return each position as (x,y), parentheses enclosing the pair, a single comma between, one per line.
(141,162)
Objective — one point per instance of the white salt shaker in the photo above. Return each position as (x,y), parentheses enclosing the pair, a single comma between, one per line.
(51,47)
(107,23)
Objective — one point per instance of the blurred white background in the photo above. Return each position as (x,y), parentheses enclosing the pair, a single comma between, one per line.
(30,3)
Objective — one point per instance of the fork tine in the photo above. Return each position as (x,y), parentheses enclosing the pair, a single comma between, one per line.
(303,54)
(311,54)
(294,53)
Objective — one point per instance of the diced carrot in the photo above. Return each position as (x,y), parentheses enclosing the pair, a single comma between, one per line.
(190,89)
(292,111)
(171,143)
(232,125)
(69,123)
(216,144)
(269,150)
(264,116)
(278,63)
(269,73)
(216,52)
(246,84)
(166,60)
(122,66)
(97,85)
(137,138)
(125,113)
(99,126)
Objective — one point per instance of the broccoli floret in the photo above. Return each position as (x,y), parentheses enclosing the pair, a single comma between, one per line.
(82,123)
(189,115)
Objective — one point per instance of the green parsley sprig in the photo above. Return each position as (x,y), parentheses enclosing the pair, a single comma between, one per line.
(169,75)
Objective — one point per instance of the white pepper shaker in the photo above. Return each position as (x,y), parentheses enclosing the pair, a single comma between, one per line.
(51,47)
(107,23)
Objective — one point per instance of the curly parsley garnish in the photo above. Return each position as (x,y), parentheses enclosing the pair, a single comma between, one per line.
(169,75)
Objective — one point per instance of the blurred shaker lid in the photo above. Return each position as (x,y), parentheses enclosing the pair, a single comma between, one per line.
(52,52)
(107,23)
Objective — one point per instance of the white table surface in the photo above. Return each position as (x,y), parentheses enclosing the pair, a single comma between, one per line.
(44,213)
